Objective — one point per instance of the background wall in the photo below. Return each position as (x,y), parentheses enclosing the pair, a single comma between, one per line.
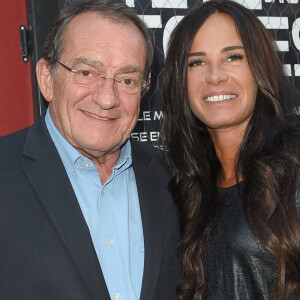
(16,104)
(281,18)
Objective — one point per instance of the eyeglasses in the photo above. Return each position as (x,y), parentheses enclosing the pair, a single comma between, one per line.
(127,84)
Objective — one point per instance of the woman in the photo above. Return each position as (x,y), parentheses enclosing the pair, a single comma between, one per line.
(233,153)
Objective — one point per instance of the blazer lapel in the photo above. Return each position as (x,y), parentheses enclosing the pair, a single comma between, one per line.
(149,197)
(48,177)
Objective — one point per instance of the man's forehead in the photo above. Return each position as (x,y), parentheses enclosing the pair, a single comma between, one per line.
(90,37)
(91,25)
(84,19)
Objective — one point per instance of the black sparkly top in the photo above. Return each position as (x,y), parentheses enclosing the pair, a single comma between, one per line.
(237,266)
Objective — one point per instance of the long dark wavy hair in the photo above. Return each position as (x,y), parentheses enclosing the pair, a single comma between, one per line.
(268,159)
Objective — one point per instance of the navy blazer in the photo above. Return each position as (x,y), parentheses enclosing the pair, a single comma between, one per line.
(46,251)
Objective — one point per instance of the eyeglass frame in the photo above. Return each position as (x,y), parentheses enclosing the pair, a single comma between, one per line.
(145,85)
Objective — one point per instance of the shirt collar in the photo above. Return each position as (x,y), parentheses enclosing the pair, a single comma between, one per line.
(69,154)
(125,159)
(66,151)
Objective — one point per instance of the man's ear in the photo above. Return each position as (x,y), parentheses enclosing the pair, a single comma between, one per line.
(45,79)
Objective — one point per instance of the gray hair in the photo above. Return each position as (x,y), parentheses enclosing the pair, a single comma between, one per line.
(115,10)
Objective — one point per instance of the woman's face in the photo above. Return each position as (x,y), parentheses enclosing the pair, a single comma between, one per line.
(221,88)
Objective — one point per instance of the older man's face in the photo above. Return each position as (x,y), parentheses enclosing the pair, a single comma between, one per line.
(97,118)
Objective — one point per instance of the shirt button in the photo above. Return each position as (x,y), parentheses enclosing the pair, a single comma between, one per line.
(102,192)
(117,296)
(110,242)
(73,170)
(86,165)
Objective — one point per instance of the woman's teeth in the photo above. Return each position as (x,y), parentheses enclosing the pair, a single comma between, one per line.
(219,98)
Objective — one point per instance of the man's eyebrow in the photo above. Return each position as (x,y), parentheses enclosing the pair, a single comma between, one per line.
(131,69)
(84,60)
(226,49)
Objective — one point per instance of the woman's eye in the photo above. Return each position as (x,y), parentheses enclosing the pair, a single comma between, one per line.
(235,57)
(197,62)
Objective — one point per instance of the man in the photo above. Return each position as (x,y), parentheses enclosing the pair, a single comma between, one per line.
(84,211)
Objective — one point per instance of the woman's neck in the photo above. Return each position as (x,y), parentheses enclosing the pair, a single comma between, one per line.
(227,143)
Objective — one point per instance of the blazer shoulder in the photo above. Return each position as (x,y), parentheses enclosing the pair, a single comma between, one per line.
(11,159)
(20,148)
(12,144)
(145,147)
(149,157)
(146,152)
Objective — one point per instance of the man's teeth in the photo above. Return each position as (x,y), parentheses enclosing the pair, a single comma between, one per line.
(219,98)
(94,116)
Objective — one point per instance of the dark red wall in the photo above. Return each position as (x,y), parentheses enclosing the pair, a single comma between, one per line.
(16,105)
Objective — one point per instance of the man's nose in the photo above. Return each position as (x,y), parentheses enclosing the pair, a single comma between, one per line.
(106,94)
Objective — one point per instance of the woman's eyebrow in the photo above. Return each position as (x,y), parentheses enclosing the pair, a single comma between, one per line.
(226,49)
(230,48)
(197,54)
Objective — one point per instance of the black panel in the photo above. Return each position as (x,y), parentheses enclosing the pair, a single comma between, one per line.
(40,16)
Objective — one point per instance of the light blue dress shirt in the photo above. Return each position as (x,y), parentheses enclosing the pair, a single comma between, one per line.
(112,213)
